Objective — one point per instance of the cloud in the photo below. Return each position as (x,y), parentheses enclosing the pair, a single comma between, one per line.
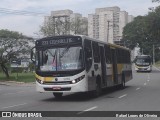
(24,4)
(30,24)
(27,25)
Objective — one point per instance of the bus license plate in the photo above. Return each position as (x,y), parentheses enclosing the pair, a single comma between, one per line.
(56,88)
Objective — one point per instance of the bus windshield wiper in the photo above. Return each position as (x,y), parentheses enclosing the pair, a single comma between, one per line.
(54,56)
(64,51)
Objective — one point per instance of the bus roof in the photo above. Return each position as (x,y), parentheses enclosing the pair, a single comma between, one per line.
(86,37)
(97,40)
(141,56)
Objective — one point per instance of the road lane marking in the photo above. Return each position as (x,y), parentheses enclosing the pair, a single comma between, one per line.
(145,83)
(137,88)
(13,106)
(148,79)
(122,96)
(87,110)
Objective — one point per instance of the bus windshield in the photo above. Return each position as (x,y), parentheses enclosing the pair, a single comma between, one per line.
(60,59)
(143,61)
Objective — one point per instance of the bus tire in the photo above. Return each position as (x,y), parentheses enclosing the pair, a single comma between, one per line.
(98,90)
(123,85)
(57,95)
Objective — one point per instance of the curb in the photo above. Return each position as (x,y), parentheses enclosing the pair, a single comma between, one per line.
(9,83)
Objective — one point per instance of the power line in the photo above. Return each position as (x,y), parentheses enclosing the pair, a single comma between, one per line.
(20,12)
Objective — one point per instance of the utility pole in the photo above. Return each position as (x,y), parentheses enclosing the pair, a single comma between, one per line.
(108,31)
(153,54)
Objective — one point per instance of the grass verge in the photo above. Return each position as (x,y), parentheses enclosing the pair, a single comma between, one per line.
(158,64)
(20,77)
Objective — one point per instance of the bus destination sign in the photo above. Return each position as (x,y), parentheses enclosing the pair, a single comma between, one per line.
(58,41)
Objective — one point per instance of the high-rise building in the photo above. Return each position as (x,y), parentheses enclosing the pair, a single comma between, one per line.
(61,22)
(107,24)
(130,18)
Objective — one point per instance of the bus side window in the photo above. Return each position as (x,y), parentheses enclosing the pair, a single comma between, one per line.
(123,56)
(108,54)
(88,54)
(96,54)
(129,57)
(118,55)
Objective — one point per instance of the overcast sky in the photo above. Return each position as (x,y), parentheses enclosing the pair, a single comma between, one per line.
(29,25)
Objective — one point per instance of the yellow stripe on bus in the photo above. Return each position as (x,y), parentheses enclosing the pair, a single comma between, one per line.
(44,78)
(119,68)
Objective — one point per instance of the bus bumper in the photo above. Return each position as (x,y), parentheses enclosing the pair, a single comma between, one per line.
(148,68)
(81,86)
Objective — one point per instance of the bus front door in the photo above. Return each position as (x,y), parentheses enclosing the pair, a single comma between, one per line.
(114,66)
(103,66)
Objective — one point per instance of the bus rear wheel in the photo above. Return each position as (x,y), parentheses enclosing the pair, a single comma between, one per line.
(122,85)
(57,95)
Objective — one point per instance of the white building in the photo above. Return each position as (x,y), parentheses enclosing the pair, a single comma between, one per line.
(107,23)
(130,18)
(66,16)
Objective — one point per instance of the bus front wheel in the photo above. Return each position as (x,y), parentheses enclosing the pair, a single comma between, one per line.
(98,90)
(57,95)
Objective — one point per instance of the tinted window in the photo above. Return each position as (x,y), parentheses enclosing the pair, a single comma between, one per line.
(88,54)
(119,56)
(96,52)
(108,54)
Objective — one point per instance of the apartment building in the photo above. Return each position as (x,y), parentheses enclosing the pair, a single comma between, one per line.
(107,24)
(61,20)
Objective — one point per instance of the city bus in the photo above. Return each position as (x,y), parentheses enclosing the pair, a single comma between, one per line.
(143,63)
(72,64)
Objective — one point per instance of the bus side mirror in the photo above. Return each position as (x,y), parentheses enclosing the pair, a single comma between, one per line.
(33,55)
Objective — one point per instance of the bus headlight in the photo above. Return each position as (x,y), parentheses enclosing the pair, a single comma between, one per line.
(73,81)
(39,81)
(78,79)
(42,82)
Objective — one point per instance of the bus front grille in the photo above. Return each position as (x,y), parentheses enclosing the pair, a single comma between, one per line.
(58,83)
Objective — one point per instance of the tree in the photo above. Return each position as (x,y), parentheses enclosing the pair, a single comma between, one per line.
(64,26)
(55,26)
(12,45)
(135,32)
(144,31)
(154,24)
(155,0)
(79,26)
(48,28)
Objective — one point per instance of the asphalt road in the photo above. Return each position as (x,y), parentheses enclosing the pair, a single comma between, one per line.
(142,93)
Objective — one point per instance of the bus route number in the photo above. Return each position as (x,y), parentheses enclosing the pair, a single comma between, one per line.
(44,42)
